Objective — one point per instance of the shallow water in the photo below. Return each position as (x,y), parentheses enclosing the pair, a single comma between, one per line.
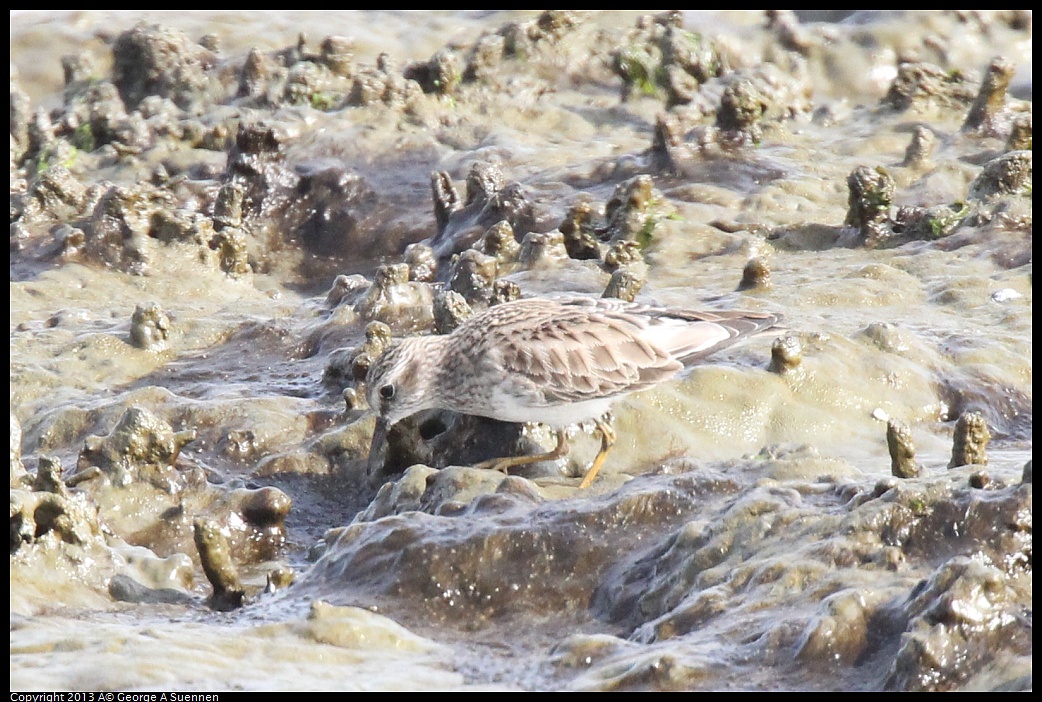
(746,533)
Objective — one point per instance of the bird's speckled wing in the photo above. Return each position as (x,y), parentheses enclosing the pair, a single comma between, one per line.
(576,354)
(582,349)
(687,335)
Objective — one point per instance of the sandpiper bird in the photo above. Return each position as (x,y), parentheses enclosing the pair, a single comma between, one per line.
(555,361)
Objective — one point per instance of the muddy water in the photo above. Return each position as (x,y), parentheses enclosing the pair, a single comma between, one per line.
(181,345)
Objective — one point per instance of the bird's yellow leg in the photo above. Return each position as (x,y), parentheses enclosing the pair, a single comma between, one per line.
(505,464)
(607,441)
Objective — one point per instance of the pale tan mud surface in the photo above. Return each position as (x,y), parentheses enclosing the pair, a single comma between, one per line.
(210,215)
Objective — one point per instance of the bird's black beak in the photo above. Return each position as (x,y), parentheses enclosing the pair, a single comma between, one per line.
(378,449)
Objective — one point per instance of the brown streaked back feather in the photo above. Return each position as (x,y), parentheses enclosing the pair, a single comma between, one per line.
(580,349)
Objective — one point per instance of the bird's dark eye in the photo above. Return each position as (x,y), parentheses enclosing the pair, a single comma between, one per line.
(387,392)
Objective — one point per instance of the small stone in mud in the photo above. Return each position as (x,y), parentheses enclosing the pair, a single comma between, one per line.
(927,223)
(510,203)
(338,371)
(70,240)
(265,507)
(741,111)
(979,479)
(485,57)
(37,516)
(920,148)
(625,254)
(552,25)
(152,60)
(355,365)
(215,557)
(786,355)
(869,202)
(347,288)
(280,578)
(970,443)
(499,241)
(472,276)
(668,150)
(211,42)
(637,65)
(627,211)
(256,75)
(785,25)
(624,285)
(149,327)
(902,451)
(883,486)
(401,495)
(661,56)
(312,84)
(121,225)
(1020,134)
(353,399)
(232,255)
(450,311)
(160,175)
(49,476)
(238,445)
(55,194)
(19,234)
(227,209)
(991,99)
(522,38)
(377,337)
(441,74)
(542,249)
(446,199)
(83,476)
(920,85)
(337,53)
(504,291)
(385,84)
(396,301)
(256,138)
(756,275)
(39,130)
(1009,174)
(423,265)
(580,239)
(124,588)
(96,110)
(141,446)
(257,164)
(178,224)
(484,180)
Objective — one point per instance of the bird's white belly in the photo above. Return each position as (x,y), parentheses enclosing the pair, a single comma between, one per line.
(507,409)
